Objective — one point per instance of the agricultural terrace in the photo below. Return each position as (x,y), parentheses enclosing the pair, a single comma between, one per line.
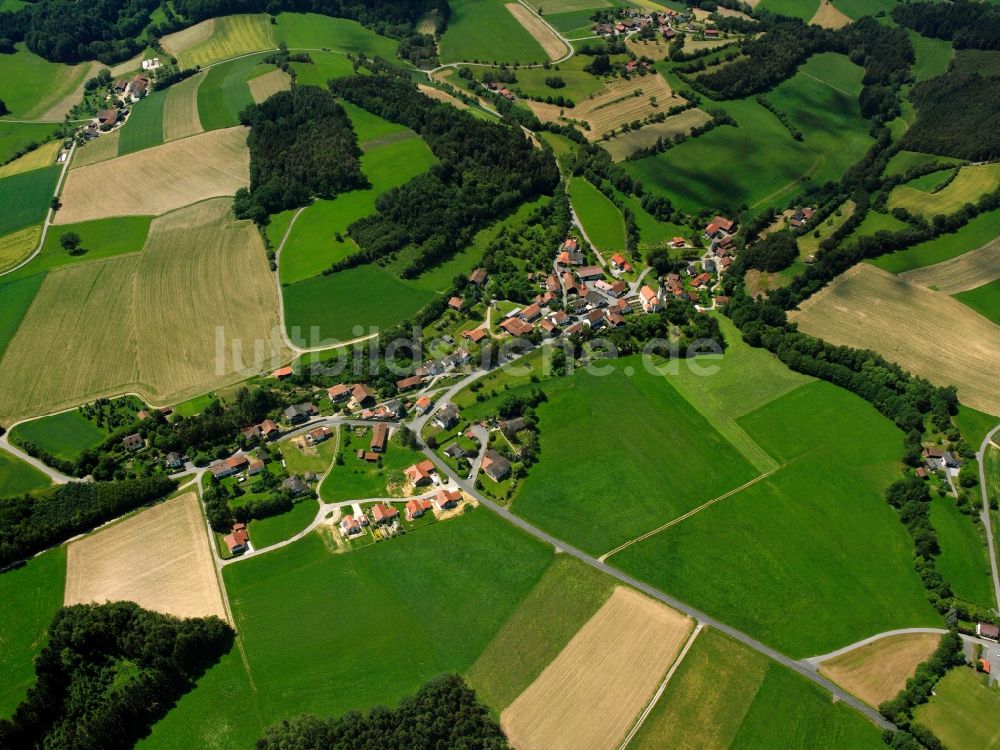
(36,89)
(590,694)
(964,559)
(485,30)
(840,313)
(32,594)
(600,217)
(985,300)
(170,287)
(18,478)
(542,33)
(624,145)
(969,185)
(957,711)
(267,83)
(25,198)
(180,110)
(810,558)
(219,39)
(979,232)
(464,578)
(877,671)
(624,100)
(169,571)
(43,156)
(967,271)
(17,246)
(725,695)
(820,101)
(189,170)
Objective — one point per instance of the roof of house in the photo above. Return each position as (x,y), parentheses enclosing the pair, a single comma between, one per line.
(587,272)
(381,510)
(338,391)
(494,464)
(531,311)
(516,327)
(455,302)
(411,382)
(282,372)
(478,276)
(447,497)
(475,335)
(988,629)
(648,294)
(362,392)
(380,434)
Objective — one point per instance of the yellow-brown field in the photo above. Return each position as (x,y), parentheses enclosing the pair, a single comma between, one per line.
(264,86)
(180,110)
(552,44)
(102,148)
(967,271)
(441,96)
(591,693)
(546,112)
(181,41)
(158,179)
(928,333)
(969,185)
(219,39)
(624,101)
(159,558)
(162,322)
(877,671)
(17,246)
(654,49)
(43,156)
(621,146)
(828,16)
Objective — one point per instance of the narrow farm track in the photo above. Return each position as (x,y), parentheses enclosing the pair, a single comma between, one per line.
(985,513)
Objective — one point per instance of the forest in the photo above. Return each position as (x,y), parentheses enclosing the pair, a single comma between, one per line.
(32,524)
(302,145)
(486,170)
(963,22)
(956,116)
(108,672)
(444,713)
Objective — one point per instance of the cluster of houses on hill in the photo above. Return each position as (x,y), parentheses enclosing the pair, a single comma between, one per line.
(385,516)
(937,458)
(668,23)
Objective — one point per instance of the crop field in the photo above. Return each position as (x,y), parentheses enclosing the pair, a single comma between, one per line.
(486,30)
(624,100)
(551,7)
(180,111)
(566,597)
(967,271)
(956,711)
(539,30)
(17,295)
(15,136)
(144,127)
(977,233)
(985,300)
(25,198)
(43,156)
(829,16)
(591,693)
(964,559)
(971,183)
(32,594)
(643,491)
(311,620)
(36,89)
(600,217)
(933,55)
(876,672)
(187,171)
(263,86)
(18,478)
(724,695)
(871,309)
(219,39)
(623,145)
(100,149)
(813,544)
(170,571)
(820,100)
(225,93)
(65,435)
(312,31)
(171,286)
(17,246)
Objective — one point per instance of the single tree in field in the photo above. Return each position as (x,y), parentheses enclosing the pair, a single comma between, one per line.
(3,108)
(70,242)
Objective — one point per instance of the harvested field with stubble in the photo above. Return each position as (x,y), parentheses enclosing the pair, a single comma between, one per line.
(220,39)
(159,179)
(877,671)
(264,86)
(159,558)
(100,149)
(968,271)
(147,322)
(969,185)
(591,693)
(624,101)
(829,16)
(535,26)
(180,111)
(869,308)
(441,96)
(621,146)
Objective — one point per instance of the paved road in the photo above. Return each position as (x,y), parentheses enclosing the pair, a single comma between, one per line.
(985,515)
(816,660)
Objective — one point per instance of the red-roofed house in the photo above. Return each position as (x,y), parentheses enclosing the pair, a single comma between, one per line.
(349,525)
(589,273)
(531,313)
(649,299)
(455,303)
(282,373)
(382,513)
(419,474)
(719,224)
(380,435)
(478,277)
(238,540)
(475,335)
(407,383)
(516,327)
(361,395)
(447,499)
(417,507)
(339,392)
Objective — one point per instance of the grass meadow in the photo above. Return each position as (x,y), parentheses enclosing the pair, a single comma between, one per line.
(902,161)
(971,183)
(357,480)
(876,222)
(15,136)
(18,478)
(958,711)
(724,695)
(31,596)
(313,622)
(811,558)
(964,561)
(858,8)
(144,127)
(984,228)
(36,89)
(652,231)
(17,296)
(25,198)
(315,32)
(974,425)
(804,9)
(65,435)
(485,30)
(368,126)
(600,217)
(43,156)
(267,531)
(224,93)
(17,246)
(933,55)
(984,299)
(579,83)
(324,66)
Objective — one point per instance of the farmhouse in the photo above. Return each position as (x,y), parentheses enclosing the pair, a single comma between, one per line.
(409,383)
(107,117)
(649,299)
(380,435)
(382,513)
(718,226)
(361,395)
(255,467)
(590,273)
(314,437)
(495,466)
(298,413)
(478,277)
(446,417)
(349,525)
(239,540)
(475,335)
(801,216)
(339,392)
(417,507)
(447,499)
(420,474)
(133,442)
(531,313)
(137,88)
(229,466)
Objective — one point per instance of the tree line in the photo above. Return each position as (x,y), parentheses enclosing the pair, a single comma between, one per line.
(956,116)
(963,22)
(108,672)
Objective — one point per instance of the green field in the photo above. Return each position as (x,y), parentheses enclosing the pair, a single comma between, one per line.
(357,480)
(579,83)
(771,165)
(318,460)
(231,36)
(268,531)
(902,161)
(65,435)
(25,198)
(960,711)
(32,86)
(858,8)
(568,595)
(976,233)
(724,695)
(971,184)
(974,425)
(652,231)
(324,633)
(17,296)
(18,478)
(812,558)
(933,55)
(964,561)
(804,9)
(984,299)
(573,23)
(667,458)
(224,92)
(144,127)
(31,596)
(370,127)
(929,182)
(600,217)
(15,136)
(876,222)
(485,30)
(312,31)
(312,245)
(324,66)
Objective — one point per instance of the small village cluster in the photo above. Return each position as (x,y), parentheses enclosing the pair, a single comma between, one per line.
(124,93)
(669,23)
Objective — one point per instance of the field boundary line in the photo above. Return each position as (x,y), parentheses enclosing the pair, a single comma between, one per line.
(685,516)
(825,83)
(660,690)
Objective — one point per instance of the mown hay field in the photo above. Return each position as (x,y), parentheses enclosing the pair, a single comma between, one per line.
(876,672)
(870,309)
(144,127)
(964,561)
(542,33)
(590,694)
(25,197)
(159,179)
(624,101)
(622,146)
(102,148)
(219,39)
(960,711)
(828,16)
(180,111)
(43,156)
(159,558)
(600,217)
(967,271)
(969,185)
(263,86)
(486,30)
(148,322)
(17,246)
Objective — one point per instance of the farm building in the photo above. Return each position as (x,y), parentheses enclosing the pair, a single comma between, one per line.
(380,435)
(256,466)
(406,384)
(239,540)
(282,373)
(719,225)
(314,437)
(475,335)
(478,277)
(988,630)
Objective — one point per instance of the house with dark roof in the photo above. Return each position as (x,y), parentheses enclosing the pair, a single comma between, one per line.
(295,485)
(455,451)
(495,466)
(298,413)
(446,417)
(511,427)
(133,442)
(361,396)
(478,277)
